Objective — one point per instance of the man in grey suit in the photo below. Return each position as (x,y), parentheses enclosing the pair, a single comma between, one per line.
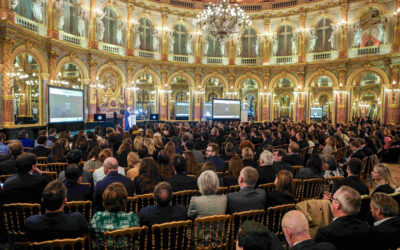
(247,198)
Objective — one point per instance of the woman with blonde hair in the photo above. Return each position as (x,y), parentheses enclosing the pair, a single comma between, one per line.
(330,145)
(133,161)
(158,144)
(137,143)
(248,157)
(149,133)
(383,179)
(149,144)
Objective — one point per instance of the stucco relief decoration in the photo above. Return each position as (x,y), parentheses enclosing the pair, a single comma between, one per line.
(110,95)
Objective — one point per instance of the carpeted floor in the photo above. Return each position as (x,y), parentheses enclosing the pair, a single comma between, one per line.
(395,171)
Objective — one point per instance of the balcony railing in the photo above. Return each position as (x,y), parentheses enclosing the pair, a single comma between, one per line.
(81,41)
(320,56)
(30,25)
(182,4)
(214,60)
(180,58)
(115,49)
(145,54)
(284,59)
(251,7)
(284,4)
(251,60)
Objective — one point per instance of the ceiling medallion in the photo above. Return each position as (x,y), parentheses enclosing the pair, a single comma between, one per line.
(223,21)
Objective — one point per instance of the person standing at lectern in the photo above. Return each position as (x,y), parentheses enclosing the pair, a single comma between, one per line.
(128,112)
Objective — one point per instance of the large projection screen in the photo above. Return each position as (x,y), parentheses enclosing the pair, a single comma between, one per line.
(226,109)
(182,109)
(316,113)
(65,105)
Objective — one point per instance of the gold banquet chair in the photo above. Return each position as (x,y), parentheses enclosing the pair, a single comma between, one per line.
(53,175)
(234,188)
(183,197)
(41,160)
(83,207)
(171,235)
(222,190)
(130,205)
(240,217)
(127,238)
(59,244)
(268,187)
(296,169)
(312,188)
(273,218)
(56,167)
(212,232)
(142,201)
(4,177)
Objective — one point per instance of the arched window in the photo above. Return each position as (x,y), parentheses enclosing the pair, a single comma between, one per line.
(70,17)
(32,9)
(70,76)
(249,40)
(110,25)
(181,97)
(143,97)
(214,48)
(373,29)
(324,31)
(180,38)
(285,34)
(146,30)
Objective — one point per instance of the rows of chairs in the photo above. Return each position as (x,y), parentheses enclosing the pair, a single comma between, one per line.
(171,235)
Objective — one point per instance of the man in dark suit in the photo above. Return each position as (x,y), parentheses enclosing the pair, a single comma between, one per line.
(9,166)
(211,154)
(28,184)
(76,191)
(279,161)
(346,231)
(266,173)
(52,137)
(352,180)
(163,211)
(297,233)
(386,230)
(367,150)
(357,152)
(40,150)
(112,175)
(55,224)
(301,139)
(293,158)
(247,198)
(180,181)
(75,156)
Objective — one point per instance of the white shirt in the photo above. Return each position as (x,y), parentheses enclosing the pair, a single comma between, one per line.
(377,223)
(99,174)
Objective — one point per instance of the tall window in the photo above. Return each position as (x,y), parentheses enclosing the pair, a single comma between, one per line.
(324,31)
(110,25)
(249,40)
(180,39)
(181,97)
(373,28)
(70,17)
(214,48)
(146,30)
(285,34)
(143,96)
(31,9)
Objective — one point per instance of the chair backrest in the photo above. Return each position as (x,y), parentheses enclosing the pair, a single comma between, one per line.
(88,184)
(42,167)
(131,238)
(41,160)
(298,189)
(222,190)
(303,152)
(220,174)
(365,208)
(312,189)
(56,167)
(53,175)
(212,232)
(296,169)
(15,214)
(84,207)
(171,235)
(234,188)
(27,149)
(4,177)
(183,197)
(143,200)
(130,205)
(77,243)
(240,217)
(330,182)
(274,217)
(268,187)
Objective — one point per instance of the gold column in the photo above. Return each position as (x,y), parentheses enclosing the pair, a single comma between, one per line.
(4,9)
(53,65)
(164,37)
(198,55)
(396,34)
(344,27)
(51,28)
(197,97)
(129,48)
(92,26)
(92,89)
(302,47)
(266,42)
(232,52)
(7,84)
(265,114)
(231,84)
(129,94)
(164,110)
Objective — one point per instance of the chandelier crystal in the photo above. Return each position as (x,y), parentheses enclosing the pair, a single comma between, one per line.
(223,21)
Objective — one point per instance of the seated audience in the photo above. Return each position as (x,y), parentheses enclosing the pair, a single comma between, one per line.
(248,158)
(330,167)
(356,151)
(330,145)
(231,176)
(57,153)
(73,179)
(193,166)
(189,146)
(266,172)
(301,140)
(75,156)
(148,176)
(209,203)
(165,164)
(313,168)
(383,179)
(254,236)
(346,231)
(297,233)
(94,161)
(180,181)
(133,162)
(113,218)
(40,150)
(3,148)
(386,230)
(9,166)
(279,161)
(55,224)
(99,173)
(228,152)
(247,198)
(284,192)
(123,152)
(211,154)
(162,211)
(27,185)
(27,142)
(149,145)
(293,157)
(112,176)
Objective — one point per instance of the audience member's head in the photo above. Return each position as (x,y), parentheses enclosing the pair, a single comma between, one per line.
(189,144)
(315,164)
(208,165)
(235,166)
(54,196)
(94,154)
(74,156)
(16,148)
(163,193)
(328,162)
(208,182)
(247,154)
(253,236)
(354,146)
(73,173)
(383,206)
(110,165)
(132,159)
(266,158)
(354,167)
(42,140)
(179,164)
(25,162)
(345,201)
(22,134)
(248,177)
(382,175)
(102,143)
(279,155)
(212,149)
(284,182)
(104,154)
(294,148)
(114,197)
(295,227)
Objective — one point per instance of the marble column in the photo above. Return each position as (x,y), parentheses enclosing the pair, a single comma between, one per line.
(129,47)
(163,96)
(265,100)
(198,96)
(7,96)
(164,38)
(266,42)
(52,31)
(93,44)
(92,89)
(344,29)
(198,54)
(302,35)
(232,52)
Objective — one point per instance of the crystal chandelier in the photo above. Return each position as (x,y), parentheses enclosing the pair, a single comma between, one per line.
(223,21)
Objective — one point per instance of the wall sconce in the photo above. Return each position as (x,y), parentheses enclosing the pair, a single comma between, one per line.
(394,82)
(396,12)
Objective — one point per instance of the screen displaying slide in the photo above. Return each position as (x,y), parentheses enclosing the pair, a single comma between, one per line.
(226,109)
(316,113)
(182,109)
(65,105)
